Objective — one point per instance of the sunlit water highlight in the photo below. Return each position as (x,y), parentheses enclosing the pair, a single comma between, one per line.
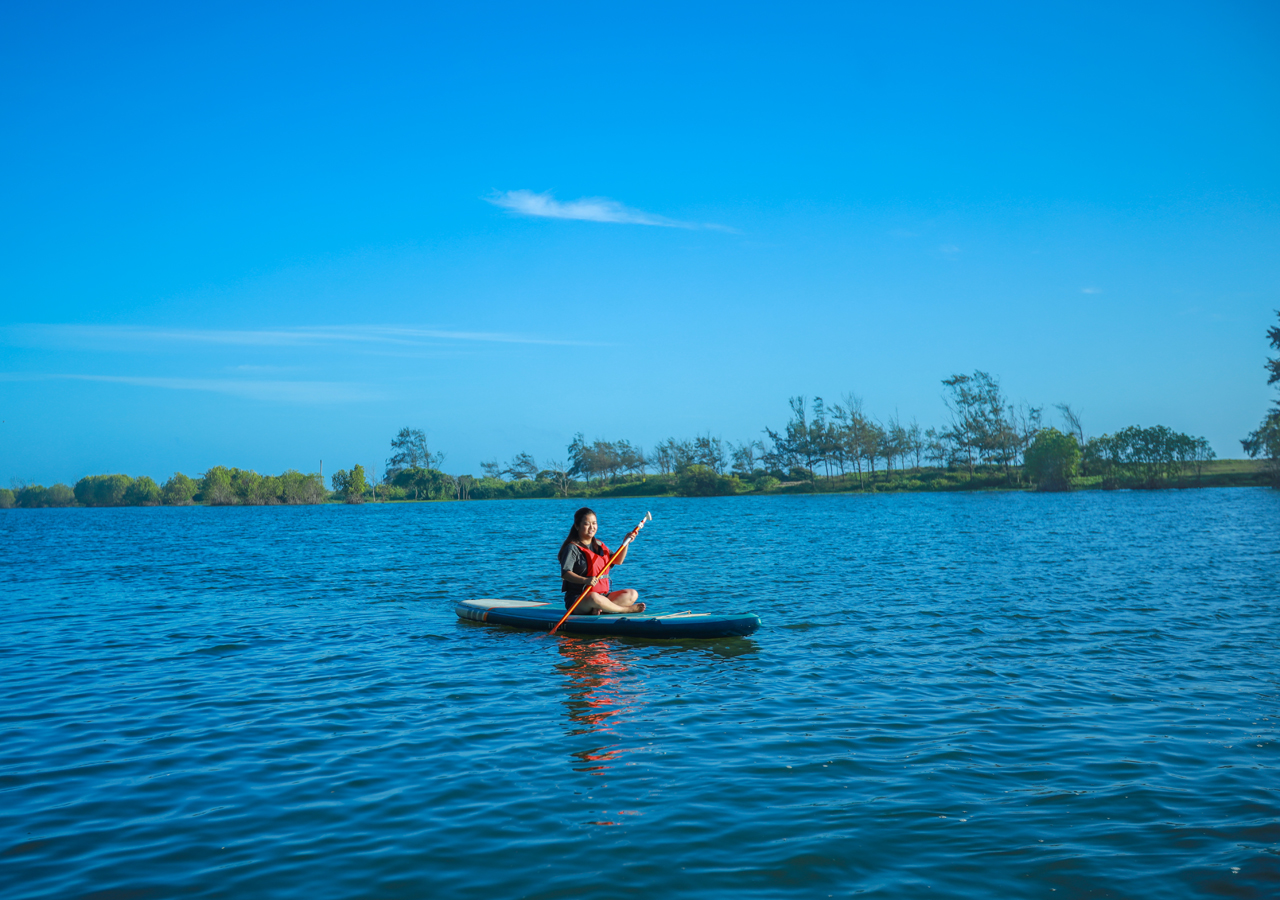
(951,696)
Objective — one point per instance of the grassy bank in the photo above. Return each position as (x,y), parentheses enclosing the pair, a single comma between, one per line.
(1217,473)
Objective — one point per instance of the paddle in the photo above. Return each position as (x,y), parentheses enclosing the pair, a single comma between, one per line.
(616,553)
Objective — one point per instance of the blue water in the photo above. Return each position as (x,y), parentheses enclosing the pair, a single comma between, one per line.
(1002,695)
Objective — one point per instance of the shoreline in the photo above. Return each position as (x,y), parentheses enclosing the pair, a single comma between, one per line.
(1214,474)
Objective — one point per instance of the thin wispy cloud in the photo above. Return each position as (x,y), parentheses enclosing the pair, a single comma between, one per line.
(129,336)
(949,250)
(281,391)
(1091,290)
(588,209)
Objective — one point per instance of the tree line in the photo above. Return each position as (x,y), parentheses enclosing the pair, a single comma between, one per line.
(837,446)
(825,446)
(219,486)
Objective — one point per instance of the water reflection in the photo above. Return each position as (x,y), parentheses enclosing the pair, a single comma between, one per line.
(599,694)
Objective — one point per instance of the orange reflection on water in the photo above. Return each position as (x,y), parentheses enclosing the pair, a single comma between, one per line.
(599,691)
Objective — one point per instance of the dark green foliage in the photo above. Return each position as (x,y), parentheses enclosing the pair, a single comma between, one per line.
(703,481)
(1052,459)
(37,496)
(216,488)
(425,484)
(32,496)
(29,496)
(351,485)
(603,460)
(409,450)
(985,426)
(7,500)
(296,487)
(178,490)
(488,488)
(1144,457)
(102,490)
(142,492)
(247,487)
(1265,440)
(522,467)
(1273,365)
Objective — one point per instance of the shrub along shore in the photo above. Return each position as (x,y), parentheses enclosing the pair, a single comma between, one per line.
(222,486)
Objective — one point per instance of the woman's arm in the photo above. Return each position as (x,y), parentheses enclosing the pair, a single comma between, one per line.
(574,577)
(571,560)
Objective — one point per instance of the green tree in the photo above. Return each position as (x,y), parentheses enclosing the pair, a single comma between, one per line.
(60,495)
(7,500)
(799,445)
(143,492)
(31,496)
(703,481)
(426,484)
(978,423)
(1264,441)
(1143,457)
(558,473)
(852,431)
(351,485)
(102,490)
(707,450)
(1052,459)
(295,487)
(246,484)
(632,458)
(178,490)
(268,491)
(744,457)
(216,488)
(608,461)
(522,467)
(409,450)
(37,496)
(488,488)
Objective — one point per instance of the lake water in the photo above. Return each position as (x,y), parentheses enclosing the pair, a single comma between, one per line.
(987,695)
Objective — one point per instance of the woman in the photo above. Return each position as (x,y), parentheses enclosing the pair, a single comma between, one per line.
(582,559)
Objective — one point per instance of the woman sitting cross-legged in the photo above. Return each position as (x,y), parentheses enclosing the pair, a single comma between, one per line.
(582,560)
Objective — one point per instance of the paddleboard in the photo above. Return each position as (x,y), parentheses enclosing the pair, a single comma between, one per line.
(542,616)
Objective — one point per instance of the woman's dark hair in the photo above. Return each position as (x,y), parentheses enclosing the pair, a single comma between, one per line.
(577,523)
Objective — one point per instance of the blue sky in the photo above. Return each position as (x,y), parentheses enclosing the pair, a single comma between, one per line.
(265,237)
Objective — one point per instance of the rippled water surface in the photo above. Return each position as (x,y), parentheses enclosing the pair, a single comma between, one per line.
(1000,695)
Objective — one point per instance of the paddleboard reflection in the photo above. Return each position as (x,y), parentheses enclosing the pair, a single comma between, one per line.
(600,694)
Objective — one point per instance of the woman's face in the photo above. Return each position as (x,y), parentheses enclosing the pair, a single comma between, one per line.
(587,530)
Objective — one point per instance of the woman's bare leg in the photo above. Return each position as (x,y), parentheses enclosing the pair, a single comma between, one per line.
(615,602)
(628,599)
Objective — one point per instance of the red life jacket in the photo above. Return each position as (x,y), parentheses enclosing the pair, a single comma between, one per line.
(595,565)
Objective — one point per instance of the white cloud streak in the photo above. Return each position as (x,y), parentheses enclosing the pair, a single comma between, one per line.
(285,391)
(587,209)
(127,336)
